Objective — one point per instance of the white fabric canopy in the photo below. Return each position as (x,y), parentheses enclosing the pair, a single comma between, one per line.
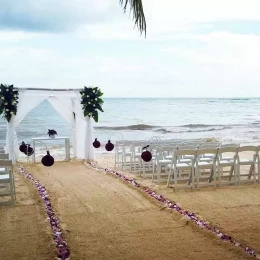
(67,103)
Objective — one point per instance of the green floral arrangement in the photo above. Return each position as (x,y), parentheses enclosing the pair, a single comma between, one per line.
(8,101)
(91,101)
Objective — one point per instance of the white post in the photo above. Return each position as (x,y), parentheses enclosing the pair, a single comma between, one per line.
(89,149)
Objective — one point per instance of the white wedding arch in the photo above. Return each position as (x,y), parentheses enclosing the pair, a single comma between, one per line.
(67,103)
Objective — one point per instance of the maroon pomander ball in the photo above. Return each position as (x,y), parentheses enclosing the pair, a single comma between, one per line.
(109,146)
(22,147)
(47,160)
(28,150)
(146,156)
(96,143)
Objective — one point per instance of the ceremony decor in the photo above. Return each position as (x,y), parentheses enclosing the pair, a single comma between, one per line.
(96,143)
(109,146)
(52,133)
(92,102)
(146,155)
(191,216)
(47,160)
(63,251)
(8,101)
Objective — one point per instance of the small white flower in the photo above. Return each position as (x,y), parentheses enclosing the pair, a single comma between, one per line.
(2,98)
(89,102)
(5,103)
(94,91)
(7,109)
(14,95)
(12,113)
(96,99)
(87,95)
(14,103)
(7,89)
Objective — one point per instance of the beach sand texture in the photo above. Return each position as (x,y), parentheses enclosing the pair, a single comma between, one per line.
(25,233)
(104,218)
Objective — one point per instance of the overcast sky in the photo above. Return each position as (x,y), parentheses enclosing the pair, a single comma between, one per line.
(194,48)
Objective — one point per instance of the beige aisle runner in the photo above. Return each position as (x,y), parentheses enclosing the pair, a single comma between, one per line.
(105,219)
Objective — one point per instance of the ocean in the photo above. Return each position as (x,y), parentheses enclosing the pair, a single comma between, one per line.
(227,120)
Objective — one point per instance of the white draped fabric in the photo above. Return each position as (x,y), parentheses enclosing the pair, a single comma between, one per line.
(68,105)
(65,106)
(25,105)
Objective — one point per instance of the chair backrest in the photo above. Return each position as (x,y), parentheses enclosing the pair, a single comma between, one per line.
(202,151)
(208,146)
(228,150)
(6,163)
(229,145)
(181,152)
(4,156)
(248,148)
(188,147)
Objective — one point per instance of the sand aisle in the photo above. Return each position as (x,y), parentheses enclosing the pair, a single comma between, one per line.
(25,233)
(105,219)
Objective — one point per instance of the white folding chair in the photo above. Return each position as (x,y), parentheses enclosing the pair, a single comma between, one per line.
(119,154)
(3,156)
(161,161)
(180,171)
(251,161)
(203,177)
(136,152)
(224,163)
(8,190)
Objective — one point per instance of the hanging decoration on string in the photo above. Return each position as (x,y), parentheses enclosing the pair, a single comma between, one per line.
(146,155)
(96,143)
(8,101)
(92,102)
(26,149)
(47,160)
(109,146)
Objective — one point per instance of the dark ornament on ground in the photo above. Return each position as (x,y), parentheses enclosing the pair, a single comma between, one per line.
(109,146)
(47,160)
(96,143)
(146,155)
(28,150)
(22,147)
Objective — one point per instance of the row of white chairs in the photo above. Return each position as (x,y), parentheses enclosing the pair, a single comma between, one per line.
(7,185)
(127,153)
(188,167)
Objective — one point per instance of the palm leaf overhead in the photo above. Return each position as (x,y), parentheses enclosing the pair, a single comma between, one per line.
(136,7)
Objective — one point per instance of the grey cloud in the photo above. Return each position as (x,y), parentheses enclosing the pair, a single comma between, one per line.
(50,15)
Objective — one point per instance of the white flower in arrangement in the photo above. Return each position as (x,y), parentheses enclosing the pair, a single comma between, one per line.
(14,103)
(12,113)
(5,103)
(2,98)
(96,99)
(14,95)
(7,89)
(7,109)
(94,91)
(87,95)
(89,102)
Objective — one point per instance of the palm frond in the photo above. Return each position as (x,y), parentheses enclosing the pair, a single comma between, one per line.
(136,7)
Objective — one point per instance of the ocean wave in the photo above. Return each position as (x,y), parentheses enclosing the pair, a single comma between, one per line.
(198,125)
(129,127)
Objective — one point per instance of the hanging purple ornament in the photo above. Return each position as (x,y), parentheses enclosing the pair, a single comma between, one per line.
(96,143)
(146,155)
(47,160)
(109,146)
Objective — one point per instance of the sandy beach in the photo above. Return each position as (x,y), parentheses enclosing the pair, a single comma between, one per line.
(103,218)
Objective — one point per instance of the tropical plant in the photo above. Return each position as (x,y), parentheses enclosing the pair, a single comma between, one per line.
(136,7)
(8,101)
(91,101)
